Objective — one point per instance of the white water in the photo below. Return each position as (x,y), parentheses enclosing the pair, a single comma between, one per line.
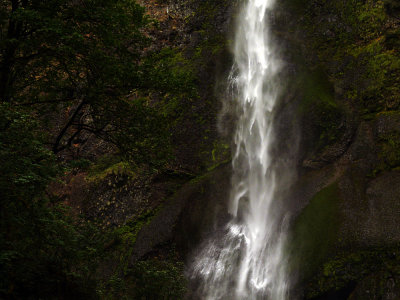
(246,260)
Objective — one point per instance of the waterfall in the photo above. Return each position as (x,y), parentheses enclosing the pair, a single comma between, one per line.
(245,260)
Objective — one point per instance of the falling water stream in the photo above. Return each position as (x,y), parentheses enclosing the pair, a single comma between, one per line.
(246,260)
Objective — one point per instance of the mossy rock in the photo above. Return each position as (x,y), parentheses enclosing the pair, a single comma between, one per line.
(387,134)
(327,123)
(315,231)
(110,166)
(188,215)
(348,232)
(352,273)
(382,285)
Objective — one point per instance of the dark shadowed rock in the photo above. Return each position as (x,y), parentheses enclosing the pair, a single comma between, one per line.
(379,286)
(188,215)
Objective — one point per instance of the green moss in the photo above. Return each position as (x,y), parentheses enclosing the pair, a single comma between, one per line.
(79,164)
(315,231)
(382,68)
(319,106)
(129,231)
(348,267)
(158,279)
(389,150)
(185,69)
(359,49)
(220,153)
(125,236)
(172,71)
(154,278)
(110,165)
(210,45)
(316,88)
(220,150)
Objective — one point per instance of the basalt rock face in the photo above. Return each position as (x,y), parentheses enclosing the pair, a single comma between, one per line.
(193,34)
(345,238)
(188,216)
(343,97)
(197,31)
(344,87)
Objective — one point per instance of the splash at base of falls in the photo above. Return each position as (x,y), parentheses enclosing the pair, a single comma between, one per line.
(245,259)
(222,262)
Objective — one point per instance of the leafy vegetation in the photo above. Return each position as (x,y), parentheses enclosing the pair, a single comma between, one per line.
(44,251)
(73,73)
(150,279)
(158,280)
(81,66)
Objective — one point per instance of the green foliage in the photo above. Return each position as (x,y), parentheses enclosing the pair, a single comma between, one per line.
(45,252)
(83,65)
(154,279)
(125,237)
(96,41)
(119,169)
(79,164)
(151,279)
(78,70)
(141,133)
(26,165)
(168,71)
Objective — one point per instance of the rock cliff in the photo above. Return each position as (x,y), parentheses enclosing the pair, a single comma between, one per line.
(343,95)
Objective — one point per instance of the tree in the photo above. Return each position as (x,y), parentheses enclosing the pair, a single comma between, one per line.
(68,68)
(79,61)
(44,251)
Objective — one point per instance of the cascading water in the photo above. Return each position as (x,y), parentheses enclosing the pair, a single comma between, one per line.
(245,260)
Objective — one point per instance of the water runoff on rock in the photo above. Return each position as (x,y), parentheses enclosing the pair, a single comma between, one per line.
(246,260)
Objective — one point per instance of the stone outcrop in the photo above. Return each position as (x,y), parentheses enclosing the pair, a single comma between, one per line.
(344,99)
